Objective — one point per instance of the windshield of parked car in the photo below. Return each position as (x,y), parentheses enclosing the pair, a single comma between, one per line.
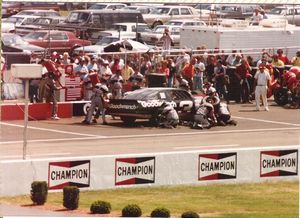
(12,40)
(98,6)
(35,35)
(119,27)
(13,20)
(276,11)
(160,11)
(159,29)
(77,17)
(106,40)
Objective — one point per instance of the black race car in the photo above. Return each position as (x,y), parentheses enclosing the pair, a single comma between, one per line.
(146,103)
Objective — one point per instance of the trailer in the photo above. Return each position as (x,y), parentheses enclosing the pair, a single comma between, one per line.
(240,35)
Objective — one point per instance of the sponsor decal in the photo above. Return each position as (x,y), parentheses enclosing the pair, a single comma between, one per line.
(61,174)
(123,106)
(278,163)
(217,166)
(129,171)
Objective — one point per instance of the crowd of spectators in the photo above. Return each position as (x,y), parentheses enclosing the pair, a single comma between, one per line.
(231,73)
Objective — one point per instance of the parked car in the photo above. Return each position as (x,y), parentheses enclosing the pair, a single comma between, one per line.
(39,23)
(55,40)
(145,104)
(186,22)
(11,8)
(9,24)
(161,14)
(128,30)
(16,50)
(40,13)
(290,13)
(240,12)
(98,47)
(144,9)
(101,6)
(88,23)
(152,38)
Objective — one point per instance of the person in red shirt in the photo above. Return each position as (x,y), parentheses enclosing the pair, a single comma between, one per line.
(243,73)
(164,69)
(188,72)
(282,57)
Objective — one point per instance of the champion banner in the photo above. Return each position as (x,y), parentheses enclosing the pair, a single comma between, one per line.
(279,163)
(61,174)
(129,171)
(217,166)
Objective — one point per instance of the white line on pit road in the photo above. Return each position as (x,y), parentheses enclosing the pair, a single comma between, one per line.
(266,121)
(206,146)
(50,130)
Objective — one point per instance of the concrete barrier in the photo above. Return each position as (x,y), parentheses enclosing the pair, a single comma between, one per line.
(169,168)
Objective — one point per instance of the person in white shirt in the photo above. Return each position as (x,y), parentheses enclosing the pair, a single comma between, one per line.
(261,84)
(167,42)
(257,17)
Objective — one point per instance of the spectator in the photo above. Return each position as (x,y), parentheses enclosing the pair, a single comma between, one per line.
(296,60)
(256,17)
(48,93)
(127,71)
(164,69)
(220,80)
(230,58)
(167,42)
(199,74)
(262,82)
(136,79)
(116,83)
(188,73)
(81,69)
(237,60)
(104,71)
(172,74)
(276,62)
(263,13)
(282,57)
(243,73)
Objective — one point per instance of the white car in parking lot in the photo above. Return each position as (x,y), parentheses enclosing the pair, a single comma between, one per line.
(153,38)
(127,30)
(290,13)
(161,14)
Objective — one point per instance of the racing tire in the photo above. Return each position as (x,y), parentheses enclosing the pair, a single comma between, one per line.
(128,120)
(281,96)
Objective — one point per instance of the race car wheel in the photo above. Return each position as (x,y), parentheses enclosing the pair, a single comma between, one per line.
(128,120)
(281,96)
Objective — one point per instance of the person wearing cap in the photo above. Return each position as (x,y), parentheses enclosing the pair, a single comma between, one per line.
(92,65)
(97,100)
(81,69)
(261,84)
(104,70)
(182,83)
(296,60)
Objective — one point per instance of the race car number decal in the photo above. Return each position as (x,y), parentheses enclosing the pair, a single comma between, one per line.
(186,105)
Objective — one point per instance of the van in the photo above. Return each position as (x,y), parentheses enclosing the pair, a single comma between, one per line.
(88,23)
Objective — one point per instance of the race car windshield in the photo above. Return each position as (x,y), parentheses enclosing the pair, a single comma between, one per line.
(143,94)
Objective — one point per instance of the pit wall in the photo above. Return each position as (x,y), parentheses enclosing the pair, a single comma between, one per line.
(156,169)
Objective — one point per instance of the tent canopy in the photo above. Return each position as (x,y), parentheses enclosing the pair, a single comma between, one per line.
(256,2)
